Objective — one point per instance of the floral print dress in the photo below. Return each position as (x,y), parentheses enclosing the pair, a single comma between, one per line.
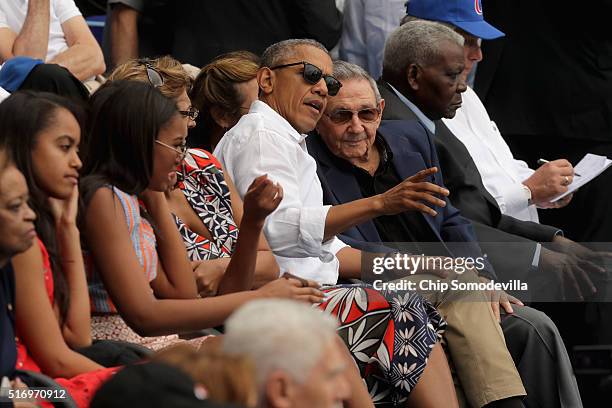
(389,335)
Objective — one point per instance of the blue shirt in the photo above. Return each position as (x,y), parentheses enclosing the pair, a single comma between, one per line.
(428,123)
(367,25)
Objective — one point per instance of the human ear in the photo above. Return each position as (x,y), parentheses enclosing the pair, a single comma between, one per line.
(412,76)
(279,390)
(265,80)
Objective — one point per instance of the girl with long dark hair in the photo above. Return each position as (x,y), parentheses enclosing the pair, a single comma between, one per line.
(43,132)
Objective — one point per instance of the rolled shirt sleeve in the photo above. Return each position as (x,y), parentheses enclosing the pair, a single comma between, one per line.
(297,232)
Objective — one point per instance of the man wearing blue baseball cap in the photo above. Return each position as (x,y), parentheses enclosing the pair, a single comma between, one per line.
(517,189)
(463,14)
(548,86)
(545,369)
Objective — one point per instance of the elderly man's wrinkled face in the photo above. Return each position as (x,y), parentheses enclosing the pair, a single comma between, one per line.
(471,50)
(325,387)
(298,101)
(437,87)
(351,120)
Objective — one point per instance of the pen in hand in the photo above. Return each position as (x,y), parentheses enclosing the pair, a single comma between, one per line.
(543,161)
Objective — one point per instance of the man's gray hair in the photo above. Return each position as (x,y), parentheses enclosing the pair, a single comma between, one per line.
(279,334)
(283,50)
(416,42)
(346,71)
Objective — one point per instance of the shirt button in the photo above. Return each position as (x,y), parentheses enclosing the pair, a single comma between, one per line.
(10,307)
(16,338)
(20,364)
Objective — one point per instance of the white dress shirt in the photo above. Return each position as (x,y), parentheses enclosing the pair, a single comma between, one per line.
(502,175)
(13,14)
(263,142)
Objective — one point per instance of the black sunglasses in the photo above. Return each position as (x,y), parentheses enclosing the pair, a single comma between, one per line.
(155,78)
(313,74)
(344,115)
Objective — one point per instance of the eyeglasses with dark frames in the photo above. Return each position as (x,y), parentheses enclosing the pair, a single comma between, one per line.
(181,150)
(155,77)
(313,74)
(191,113)
(366,115)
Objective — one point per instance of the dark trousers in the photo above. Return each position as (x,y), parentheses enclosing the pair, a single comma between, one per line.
(541,359)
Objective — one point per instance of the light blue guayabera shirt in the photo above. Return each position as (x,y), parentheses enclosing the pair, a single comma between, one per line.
(431,126)
(366,26)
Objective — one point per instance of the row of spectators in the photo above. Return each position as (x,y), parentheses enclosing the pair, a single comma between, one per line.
(121,236)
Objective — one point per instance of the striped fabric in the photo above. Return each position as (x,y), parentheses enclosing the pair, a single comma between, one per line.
(143,243)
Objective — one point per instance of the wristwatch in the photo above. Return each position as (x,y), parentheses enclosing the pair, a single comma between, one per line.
(527,192)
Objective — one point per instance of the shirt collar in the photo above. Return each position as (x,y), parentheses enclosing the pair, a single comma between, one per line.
(266,110)
(428,123)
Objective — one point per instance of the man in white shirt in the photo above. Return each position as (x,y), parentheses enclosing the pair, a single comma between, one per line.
(517,189)
(50,30)
(294,81)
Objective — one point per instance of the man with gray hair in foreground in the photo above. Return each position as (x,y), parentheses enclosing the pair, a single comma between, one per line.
(298,357)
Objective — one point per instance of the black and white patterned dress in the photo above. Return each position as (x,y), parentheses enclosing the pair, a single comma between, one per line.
(389,335)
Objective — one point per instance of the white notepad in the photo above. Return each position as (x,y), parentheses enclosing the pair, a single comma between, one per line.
(590,166)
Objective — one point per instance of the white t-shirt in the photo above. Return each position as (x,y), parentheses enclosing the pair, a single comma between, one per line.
(13,14)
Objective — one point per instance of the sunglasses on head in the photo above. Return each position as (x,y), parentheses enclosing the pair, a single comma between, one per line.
(155,78)
(313,74)
(345,115)
(191,113)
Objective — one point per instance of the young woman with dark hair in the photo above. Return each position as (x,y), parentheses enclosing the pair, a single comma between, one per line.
(207,208)
(142,282)
(43,133)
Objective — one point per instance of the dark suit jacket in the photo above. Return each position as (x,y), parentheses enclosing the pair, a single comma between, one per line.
(205,29)
(462,178)
(551,74)
(412,151)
